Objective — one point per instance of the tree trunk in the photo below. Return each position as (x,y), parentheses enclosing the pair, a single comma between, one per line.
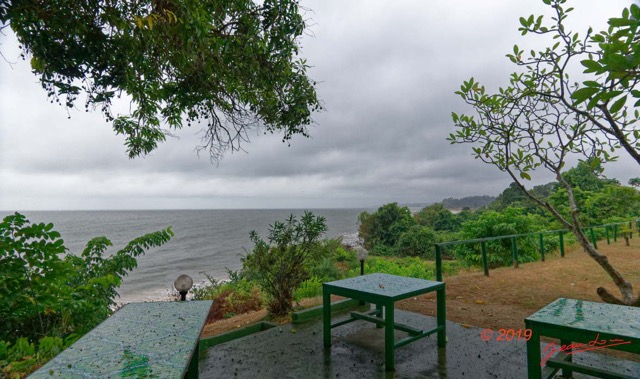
(626,289)
(575,226)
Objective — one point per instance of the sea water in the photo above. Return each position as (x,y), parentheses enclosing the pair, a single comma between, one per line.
(205,241)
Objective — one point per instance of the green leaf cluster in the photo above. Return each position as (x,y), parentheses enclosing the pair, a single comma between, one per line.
(21,357)
(495,224)
(381,230)
(45,291)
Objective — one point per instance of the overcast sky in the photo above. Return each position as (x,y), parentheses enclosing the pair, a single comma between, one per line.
(387,71)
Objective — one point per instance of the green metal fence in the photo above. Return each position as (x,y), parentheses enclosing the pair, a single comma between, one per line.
(611,231)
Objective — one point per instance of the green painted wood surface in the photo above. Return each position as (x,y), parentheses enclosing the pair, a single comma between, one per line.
(382,287)
(587,323)
(141,340)
(590,316)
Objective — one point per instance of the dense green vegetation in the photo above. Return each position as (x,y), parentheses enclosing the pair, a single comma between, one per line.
(393,231)
(48,297)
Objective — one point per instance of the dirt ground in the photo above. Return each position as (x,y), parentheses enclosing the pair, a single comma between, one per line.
(505,298)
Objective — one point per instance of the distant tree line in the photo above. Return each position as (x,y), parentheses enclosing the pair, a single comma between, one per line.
(471,202)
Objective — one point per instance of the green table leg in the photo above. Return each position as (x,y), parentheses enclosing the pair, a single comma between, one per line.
(379,313)
(389,337)
(533,355)
(441,317)
(192,370)
(566,373)
(326,317)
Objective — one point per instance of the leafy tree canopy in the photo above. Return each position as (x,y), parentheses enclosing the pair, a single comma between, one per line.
(418,241)
(586,175)
(231,65)
(384,227)
(437,217)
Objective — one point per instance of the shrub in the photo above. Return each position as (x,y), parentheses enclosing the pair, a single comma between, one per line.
(408,266)
(418,241)
(326,269)
(23,357)
(44,291)
(235,300)
(344,255)
(309,288)
(207,291)
(281,265)
(231,298)
(493,224)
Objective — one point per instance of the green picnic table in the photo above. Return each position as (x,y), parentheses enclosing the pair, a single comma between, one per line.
(384,290)
(580,326)
(141,340)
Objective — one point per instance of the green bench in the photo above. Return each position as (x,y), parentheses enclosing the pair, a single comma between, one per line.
(580,326)
(141,340)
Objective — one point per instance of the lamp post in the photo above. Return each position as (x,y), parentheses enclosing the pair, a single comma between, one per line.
(183,284)
(362,256)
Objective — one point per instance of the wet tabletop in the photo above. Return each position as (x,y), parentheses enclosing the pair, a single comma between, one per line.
(385,285)
(141,340)
(586,315)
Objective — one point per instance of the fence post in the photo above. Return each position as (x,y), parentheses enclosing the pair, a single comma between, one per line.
(593,238)
(514,250)
(541,246)
(438,263)
(615,233)
(485,264)
(606,232)
(561,244)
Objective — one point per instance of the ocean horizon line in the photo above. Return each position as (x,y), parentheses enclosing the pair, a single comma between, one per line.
(184,209)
